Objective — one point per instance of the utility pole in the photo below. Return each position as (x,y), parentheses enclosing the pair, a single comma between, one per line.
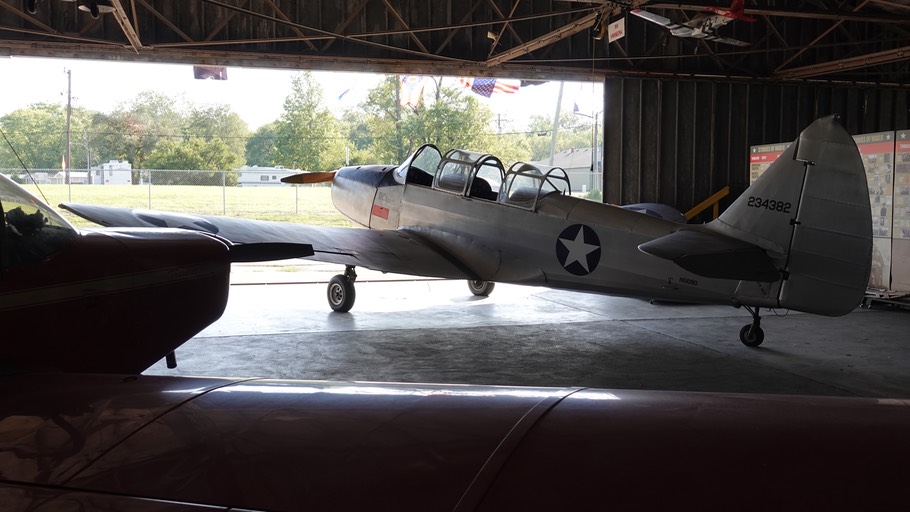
(555,133)
(69,113)
(398,118)
(88,156)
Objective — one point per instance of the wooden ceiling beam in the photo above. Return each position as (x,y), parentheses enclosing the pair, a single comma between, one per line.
(850,63)
(572,28)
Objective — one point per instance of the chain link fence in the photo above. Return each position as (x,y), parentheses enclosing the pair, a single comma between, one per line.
(258,194)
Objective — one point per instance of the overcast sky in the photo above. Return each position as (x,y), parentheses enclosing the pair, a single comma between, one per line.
(257,95)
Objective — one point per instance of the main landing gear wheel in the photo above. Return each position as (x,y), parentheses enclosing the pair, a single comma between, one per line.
(341,291)
(752,334)
(481,288)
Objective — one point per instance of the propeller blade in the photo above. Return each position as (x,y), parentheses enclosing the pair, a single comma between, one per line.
(310,177)
(269,251)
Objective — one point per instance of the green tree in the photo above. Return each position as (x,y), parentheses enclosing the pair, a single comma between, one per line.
(140,125)
(359,138)
(261,148)
(510,148)
(381,117)
(38,135)
(454,118)
(574,131)
(218,122)
(193,154)
(307,135)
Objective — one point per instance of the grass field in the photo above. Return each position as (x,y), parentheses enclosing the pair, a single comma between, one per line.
(305,204)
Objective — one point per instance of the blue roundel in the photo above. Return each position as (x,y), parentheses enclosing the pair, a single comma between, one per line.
(578,249)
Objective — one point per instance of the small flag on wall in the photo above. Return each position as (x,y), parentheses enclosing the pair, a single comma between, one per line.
(210,72)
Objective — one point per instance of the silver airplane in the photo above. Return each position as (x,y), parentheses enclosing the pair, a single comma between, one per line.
(703,25)
(799,238)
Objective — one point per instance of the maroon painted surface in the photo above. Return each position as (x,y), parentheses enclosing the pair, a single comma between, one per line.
(289,445)
(112,301)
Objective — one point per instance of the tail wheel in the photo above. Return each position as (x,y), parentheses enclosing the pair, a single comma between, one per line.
(341,294)
(481,288)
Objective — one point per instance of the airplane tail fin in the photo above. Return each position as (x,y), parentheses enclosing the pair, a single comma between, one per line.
(800,237)
(736,11)
(810,214)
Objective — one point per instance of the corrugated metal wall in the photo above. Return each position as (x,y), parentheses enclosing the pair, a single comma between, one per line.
(679,141)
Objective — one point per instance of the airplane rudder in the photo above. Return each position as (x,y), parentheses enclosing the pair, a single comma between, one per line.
(810,213)
(831,253)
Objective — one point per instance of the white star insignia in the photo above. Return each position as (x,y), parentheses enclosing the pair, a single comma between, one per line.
(578,250)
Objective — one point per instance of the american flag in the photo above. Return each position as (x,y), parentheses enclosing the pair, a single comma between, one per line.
(487,86)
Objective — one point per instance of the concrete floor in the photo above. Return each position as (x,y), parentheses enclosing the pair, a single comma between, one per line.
(436,331)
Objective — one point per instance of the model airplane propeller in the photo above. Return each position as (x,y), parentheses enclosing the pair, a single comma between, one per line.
(310,177)
(799,238)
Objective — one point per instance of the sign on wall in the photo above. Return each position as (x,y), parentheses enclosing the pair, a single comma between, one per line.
(900,250)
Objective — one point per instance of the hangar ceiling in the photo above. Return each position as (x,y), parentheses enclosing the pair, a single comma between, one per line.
(859,41)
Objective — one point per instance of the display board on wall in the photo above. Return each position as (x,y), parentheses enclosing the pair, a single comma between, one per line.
(877,150)
(761,157)
(886,158)
(900,250)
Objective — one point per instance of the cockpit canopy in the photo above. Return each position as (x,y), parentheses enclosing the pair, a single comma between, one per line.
(482,176)
(30,230)
(526,183)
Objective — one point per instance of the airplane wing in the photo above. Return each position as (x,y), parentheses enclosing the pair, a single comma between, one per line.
(399,251)
(726,40)
(654,18)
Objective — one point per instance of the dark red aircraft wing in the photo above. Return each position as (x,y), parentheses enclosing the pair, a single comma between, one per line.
(306,445)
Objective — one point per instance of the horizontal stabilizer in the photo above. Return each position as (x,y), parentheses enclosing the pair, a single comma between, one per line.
(661,211)
(713,255)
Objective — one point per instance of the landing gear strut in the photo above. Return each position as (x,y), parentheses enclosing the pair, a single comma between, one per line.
(341,290)
(752,334)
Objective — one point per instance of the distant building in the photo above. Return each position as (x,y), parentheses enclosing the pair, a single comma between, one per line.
(256,176)
(115,172)
(59,178)
(577,164)
(38,178)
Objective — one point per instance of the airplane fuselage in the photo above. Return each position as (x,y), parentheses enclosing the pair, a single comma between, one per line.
(701,25)
(564,242)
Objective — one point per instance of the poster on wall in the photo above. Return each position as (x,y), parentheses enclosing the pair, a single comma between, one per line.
(900,271)
(877,151)
(761,157)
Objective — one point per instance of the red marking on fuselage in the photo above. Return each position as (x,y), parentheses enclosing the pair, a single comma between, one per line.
(380,211)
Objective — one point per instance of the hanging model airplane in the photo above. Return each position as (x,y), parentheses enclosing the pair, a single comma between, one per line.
(123,297)
(703,25)
(799,238)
